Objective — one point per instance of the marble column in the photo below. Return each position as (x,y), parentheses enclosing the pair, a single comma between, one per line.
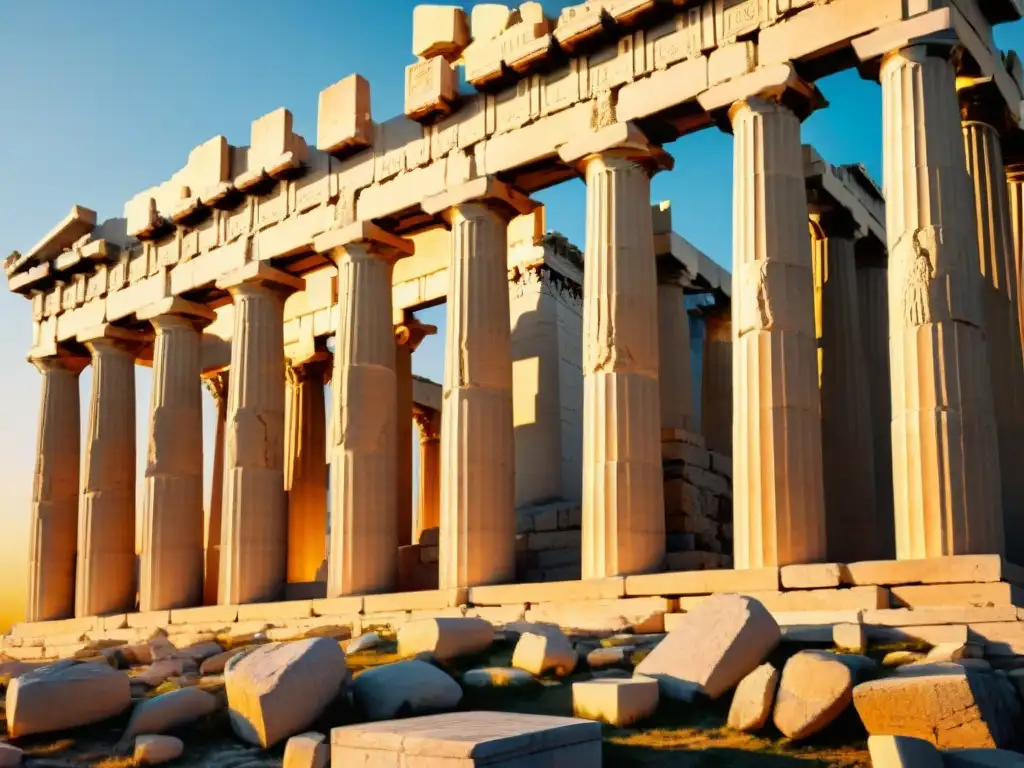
(53,524)
(716,379)
(408,336)
(106,514)
(945,456)
(777,463)
(171,561)
(477,542)
(873,305)
(674,367)
(305,468)
(429,506)
(847,441)
(1015,187)
(254,524)
(363,549)
(623,493)
(217,385)
(999,299)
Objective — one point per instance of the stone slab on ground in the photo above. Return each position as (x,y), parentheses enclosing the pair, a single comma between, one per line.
(445,638)
(155,750)
(65,695)
(934,570)
(715,647)
(903,752)
(619,703)
(403,689)
(542,652)
(815,688)
(812,576)
(980,595)
(605,617)
(307,750)
(170,710)
(752,703)
(470,739)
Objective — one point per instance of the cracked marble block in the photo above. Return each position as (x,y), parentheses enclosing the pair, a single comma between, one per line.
(53,525)
(946,476)
(343,118)
(779,515)
(847,442)
(106,512)
(171,560)
(430,88)
(305,470)
(363,548)
(254,521)
(999,306)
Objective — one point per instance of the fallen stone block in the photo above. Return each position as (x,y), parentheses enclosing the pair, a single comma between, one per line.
(214,665)
(752,702)
(902,658)
(953,652)
(277,690)
(850,636)
(364,642)
(10,756)
(307,750)
(982,758)
(405,689)
(903,752)
(945,705)
(154,750)
(616,702)
(171,710)
(714,647)
(470,738)
(199,652)
(497,677)
(540,654)
(814,690)
(65,695)
(600,658)
(161,648)
(159,671)
(445,638)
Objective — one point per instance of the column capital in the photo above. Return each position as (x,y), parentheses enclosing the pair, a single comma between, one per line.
(981,102)
(1015,172)
(260,274)
(62,361)
(314,367)
(217,385)
(489,191)
(176,310)
(778,84)
(835,221)
(429,423)
(376,241)
(623,140)
(927,34)
(412,332)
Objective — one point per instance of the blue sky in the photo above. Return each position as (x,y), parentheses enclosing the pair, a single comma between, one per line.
(101,100)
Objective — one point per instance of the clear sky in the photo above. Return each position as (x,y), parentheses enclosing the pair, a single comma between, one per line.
(101,100)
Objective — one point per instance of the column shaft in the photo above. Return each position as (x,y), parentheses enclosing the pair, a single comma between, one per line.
(847,442)
(945,458)
(218,386)
(364,537)
(716,382)
(53,524)
(872,294)
(477,543)
(403,441)
(429,507)
(254,532)
(777,463)
(675,374)
(623,493)
(1001,321)
(171,565)
(1015,186)
(106,512)
(305,471)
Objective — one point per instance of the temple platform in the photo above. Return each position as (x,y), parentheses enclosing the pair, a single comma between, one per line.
(977,598)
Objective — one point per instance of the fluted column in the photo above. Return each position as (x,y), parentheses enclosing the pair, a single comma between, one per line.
(847,442)
(716,380)
(106,513)
(171,562)
(408,336)
(872,295)
(477,543)
(674,367)
(217,385)
(305,468)
(777,463)
(945,457)
(429,505)
(623,494)
(254,524)
(363,550)
(1015,187)
(53,526)
(999,299)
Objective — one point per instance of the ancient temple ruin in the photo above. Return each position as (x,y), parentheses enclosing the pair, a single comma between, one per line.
(853,365)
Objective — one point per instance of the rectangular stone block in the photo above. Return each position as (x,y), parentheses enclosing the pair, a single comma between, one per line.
(930,634)
(733,60)
(227,614)
(993,593)
(149,619)
(619,703)
(128,300)
(959,614)
(499,615)
(566,591)
(537,141)
(343,117)
(403,192)
(704,582)
(853,599)
(663,90)
(59,627)
(814,576)
(338,606)
(408,601)
(639,614)
(465,739)
(430,88)
(439,30)
(1000,638)
(295,609)
(936,570)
